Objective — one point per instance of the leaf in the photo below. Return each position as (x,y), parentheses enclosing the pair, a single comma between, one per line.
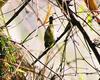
(49,8)
(81,10)
(89,19)
(91,4)
(81,77)
(11,68)
(3,42)
(20,70)
(13,58)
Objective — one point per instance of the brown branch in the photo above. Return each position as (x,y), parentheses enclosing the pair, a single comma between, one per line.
(16,13)
(75,22)
(41,62)
(45,52)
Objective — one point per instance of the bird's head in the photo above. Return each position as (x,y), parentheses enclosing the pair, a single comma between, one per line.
(51,20)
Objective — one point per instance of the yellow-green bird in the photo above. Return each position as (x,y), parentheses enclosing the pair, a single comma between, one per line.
(49,34)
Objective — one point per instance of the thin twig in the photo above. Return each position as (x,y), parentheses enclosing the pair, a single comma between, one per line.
(45,52)
(16,13)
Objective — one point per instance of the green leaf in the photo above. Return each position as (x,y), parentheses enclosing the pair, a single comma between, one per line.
(13,58)
(11,68)
(89,19)
(20,70)
(80,10)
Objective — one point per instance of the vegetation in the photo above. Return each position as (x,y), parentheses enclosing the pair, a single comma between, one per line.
(73,55)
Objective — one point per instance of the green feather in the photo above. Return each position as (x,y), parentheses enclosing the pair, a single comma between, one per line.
(49,34)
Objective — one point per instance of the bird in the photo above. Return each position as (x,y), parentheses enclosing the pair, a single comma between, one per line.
(49,34)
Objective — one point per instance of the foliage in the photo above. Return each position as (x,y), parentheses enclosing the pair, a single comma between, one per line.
(69,56)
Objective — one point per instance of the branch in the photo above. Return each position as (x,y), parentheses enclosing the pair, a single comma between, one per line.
(16,13)
(45,52)
(41,62)
(85,35)
(75,22)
